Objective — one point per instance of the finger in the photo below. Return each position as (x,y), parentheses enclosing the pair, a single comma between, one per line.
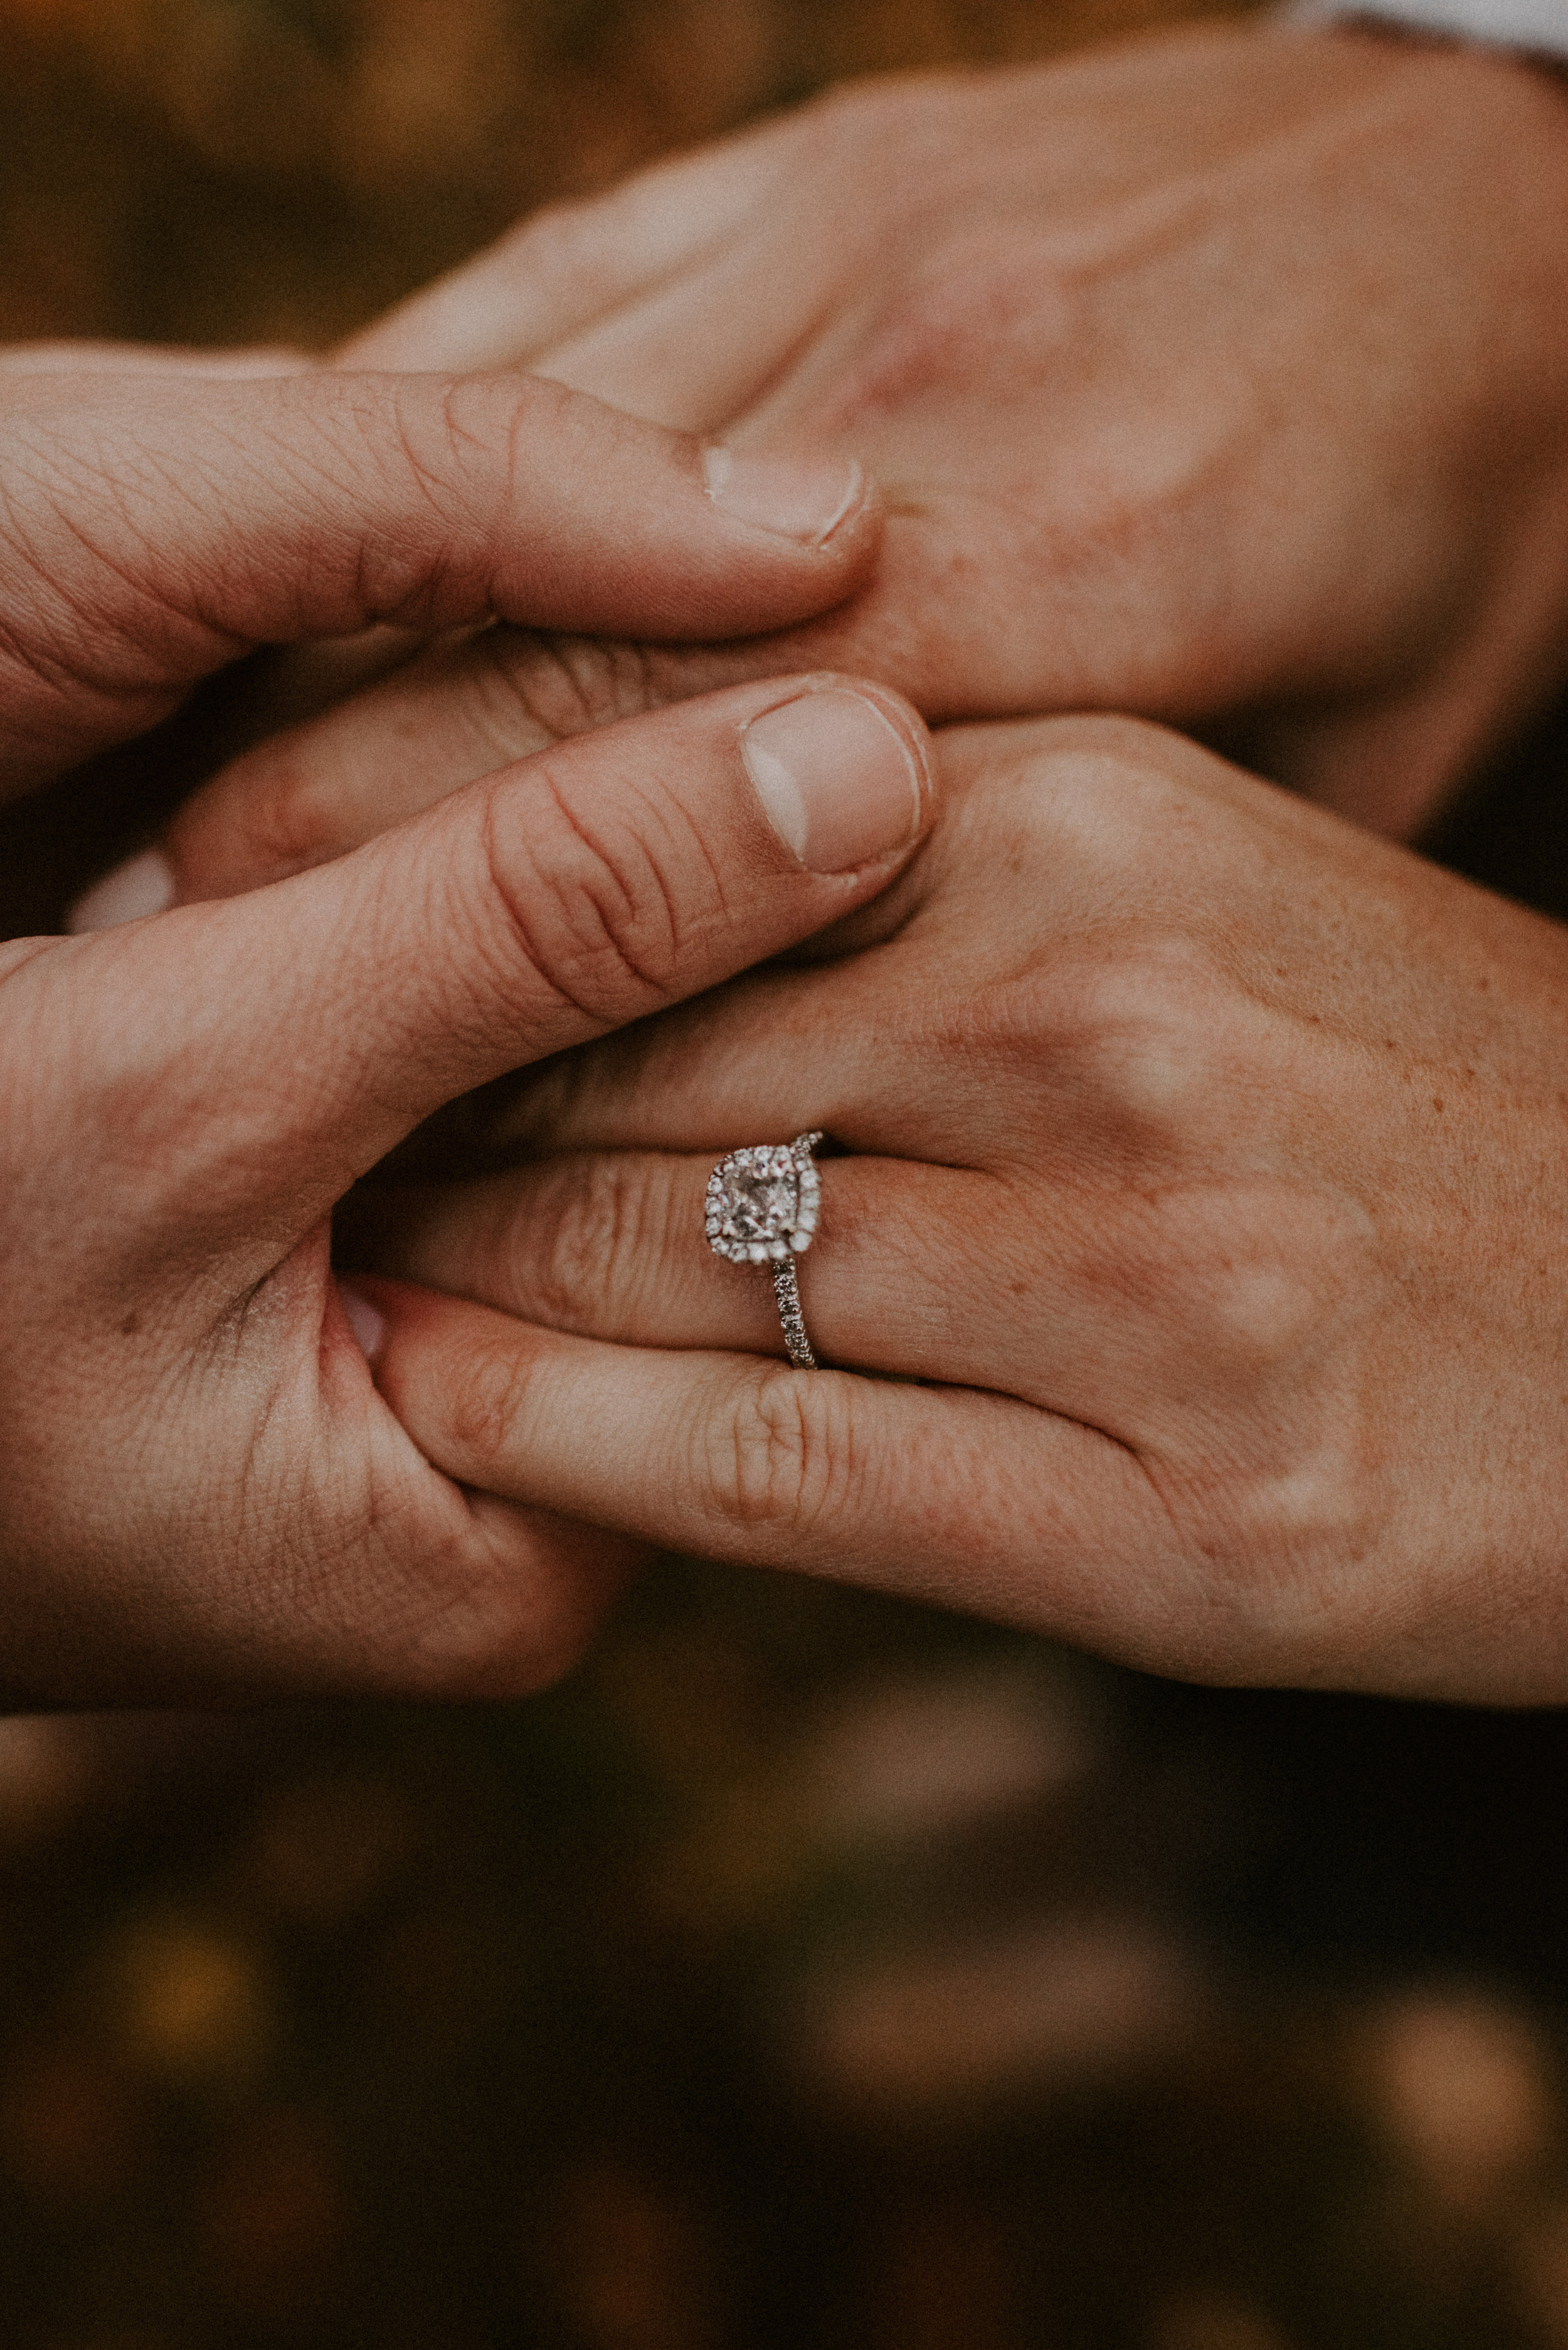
(154,538)
(946,1041)
(269,1049)
(853,1047)
(915,1489)
(565,268)
(460,710)
(698,351)
(153,358)
(1128,1313)
(677,298)
(612,1246)
(915,1272)
(455,711)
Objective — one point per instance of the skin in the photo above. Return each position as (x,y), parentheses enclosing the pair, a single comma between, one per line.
(1205,1155)
(1205,1174)
(1215,377)
(159,523)
(203,1495)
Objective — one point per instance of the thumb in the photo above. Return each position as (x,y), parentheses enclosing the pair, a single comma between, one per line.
(456,711)
(157,524)
(257,1055)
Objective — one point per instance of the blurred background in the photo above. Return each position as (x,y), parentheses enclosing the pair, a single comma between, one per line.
(260,169)
(810,1972)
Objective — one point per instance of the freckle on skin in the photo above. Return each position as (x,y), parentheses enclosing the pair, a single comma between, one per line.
(130,1326)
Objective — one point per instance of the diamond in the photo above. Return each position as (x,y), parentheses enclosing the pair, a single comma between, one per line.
(755,1203)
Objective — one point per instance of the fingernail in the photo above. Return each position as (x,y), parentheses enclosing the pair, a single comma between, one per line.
(144,885)
(793,495)
(368,1322)
(837,783)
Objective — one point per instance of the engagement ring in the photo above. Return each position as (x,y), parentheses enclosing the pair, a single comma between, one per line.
(762,1206)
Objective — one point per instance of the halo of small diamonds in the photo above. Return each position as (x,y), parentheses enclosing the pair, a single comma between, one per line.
(763,1201)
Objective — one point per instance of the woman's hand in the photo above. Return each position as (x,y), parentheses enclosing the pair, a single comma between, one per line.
(1208,1176)
(200,1490)
(1217,377)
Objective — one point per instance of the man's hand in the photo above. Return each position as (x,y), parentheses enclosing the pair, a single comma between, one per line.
(1217,376)
(1207,1182)
(155,525)
(200,1490)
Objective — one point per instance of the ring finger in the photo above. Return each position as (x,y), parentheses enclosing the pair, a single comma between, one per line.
(932,1273)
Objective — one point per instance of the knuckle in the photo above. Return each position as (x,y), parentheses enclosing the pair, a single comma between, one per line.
(981,310)
(584,895)
(1147,1020)
(1131,1036)
(1255,1278)
(486,1404)
(534,689)
(1123,792)
(582,1265)
(261,824)
(782,1459)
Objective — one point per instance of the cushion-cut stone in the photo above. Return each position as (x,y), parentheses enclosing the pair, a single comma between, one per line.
(755,1200)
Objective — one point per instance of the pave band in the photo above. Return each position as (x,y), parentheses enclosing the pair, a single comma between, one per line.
(786,1290)
(762,1209)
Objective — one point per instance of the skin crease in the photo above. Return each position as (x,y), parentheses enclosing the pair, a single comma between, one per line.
(1207,1171)
(201,1495)
(1215,376)
(184,1100)
(157,523)
(1237,1137)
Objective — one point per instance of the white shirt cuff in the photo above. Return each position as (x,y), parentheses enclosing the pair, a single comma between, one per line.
(1538,25)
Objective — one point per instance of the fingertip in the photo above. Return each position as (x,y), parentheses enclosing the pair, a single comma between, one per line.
(143,885)
(842,772)
(368,1321)
(807,499)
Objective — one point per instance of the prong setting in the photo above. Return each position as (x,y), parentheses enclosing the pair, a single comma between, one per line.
(763,1203)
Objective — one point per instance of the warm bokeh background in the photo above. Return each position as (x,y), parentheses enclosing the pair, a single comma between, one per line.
(218,170)
(812,1973)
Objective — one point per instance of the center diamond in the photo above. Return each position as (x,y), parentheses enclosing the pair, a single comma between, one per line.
(759,1203)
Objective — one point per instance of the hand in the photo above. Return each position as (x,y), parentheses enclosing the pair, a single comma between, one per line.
(1217,377)
(159,523)
(1208,1174)
(202,1492)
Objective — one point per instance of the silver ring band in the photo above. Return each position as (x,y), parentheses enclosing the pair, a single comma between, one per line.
(762,1205)
(786,1291)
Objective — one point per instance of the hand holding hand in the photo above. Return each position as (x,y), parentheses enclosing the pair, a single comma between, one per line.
(1217,377)
(202,1492)
(1207,1177)
(159,523)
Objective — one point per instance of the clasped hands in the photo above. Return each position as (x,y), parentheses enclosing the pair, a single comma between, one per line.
(1204,1153)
